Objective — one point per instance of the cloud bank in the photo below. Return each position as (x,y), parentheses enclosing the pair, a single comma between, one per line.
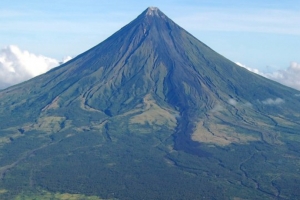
(289,77)
(17,65)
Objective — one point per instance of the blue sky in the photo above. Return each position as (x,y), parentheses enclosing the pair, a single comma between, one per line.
(259,34)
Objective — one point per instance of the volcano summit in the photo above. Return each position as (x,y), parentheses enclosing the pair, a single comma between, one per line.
(150,113)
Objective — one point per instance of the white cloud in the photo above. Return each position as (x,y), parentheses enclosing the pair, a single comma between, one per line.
(17,65)
(250,69)
(270,101)
(289,77)
(65,59)
(232,102)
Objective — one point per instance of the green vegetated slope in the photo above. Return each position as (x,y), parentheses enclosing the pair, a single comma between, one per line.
(150,113)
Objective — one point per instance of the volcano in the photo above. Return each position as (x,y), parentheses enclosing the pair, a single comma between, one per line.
(150,113)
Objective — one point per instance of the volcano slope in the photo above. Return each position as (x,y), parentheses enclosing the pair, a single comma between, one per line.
(150,113)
